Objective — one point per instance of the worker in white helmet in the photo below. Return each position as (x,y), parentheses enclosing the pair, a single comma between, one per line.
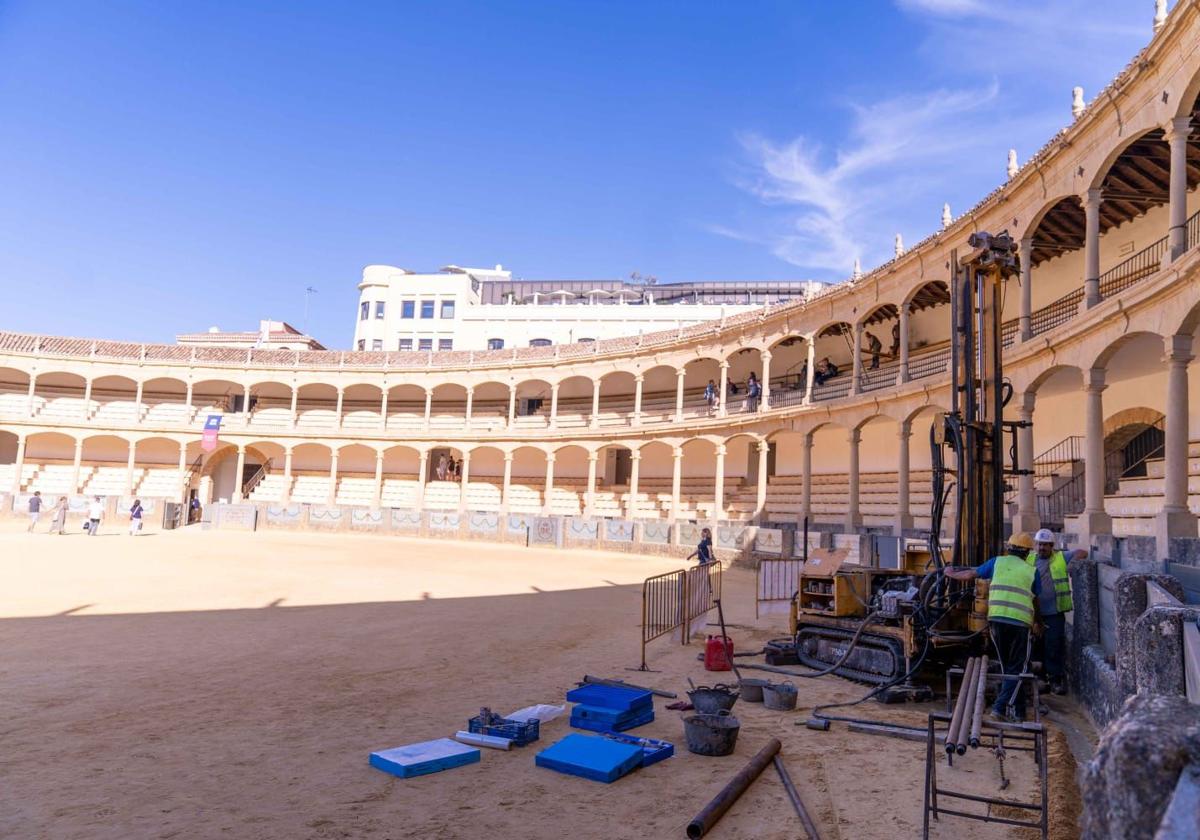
(1053,602)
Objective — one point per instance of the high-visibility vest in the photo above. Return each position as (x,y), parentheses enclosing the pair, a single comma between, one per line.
(1010,595)
(1055,596)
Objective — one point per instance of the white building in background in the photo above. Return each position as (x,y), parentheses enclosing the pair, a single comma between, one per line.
(271,335)
(485,308)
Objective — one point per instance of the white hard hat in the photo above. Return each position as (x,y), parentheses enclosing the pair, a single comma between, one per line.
(1044,536)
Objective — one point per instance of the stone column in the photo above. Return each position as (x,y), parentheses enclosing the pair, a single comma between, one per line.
(383,407)
(719,490)
(1177,136)
(504,493)
(337,420)
(765,401)
(1027,518)
(129,465)
(428,407)
(246,401)
(137,412)
(331,498)
(512,404)
(590,498)
(811,370)
(287,477)
(295,399)
(238,472)
(189,409)
(422,477)
(75,473)
(29,399)
(182,497)
(904,519)
(1024,321)
(635,461)
(1094,520)
(724,389)
(853,518)
(470,406)
(1091,249)
(679,377)
(463,480)
(18,466)
(554,405)
(760,501)
(87,400)
(1176,519)
(378,479)
(904,314)
(806,482)
(594,420)
(676,480)
(637,400)
(856,385)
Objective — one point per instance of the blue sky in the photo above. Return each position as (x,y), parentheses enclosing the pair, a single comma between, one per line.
(169,166)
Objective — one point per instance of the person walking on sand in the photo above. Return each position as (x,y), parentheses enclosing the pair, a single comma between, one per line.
(95,514)
(35,510)
(135,517)
(58,525)
(704,549)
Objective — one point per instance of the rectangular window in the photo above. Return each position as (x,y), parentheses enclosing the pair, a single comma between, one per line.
(406,308)
(539,342)
(364,310)
(377,344)
(425,344)
(445,344)
(426,309)
(447,309)
(362,343)
(495,343)
(379,310)
(406,344)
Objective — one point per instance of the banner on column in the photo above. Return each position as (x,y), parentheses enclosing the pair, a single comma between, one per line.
(212,430)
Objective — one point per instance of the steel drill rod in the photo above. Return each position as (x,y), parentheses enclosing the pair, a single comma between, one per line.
(707,818)
(588,678)
(959,706)
(810,827)
(964,725)
(980,701)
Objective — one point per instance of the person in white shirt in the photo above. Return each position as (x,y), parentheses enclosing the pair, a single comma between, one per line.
(95,514)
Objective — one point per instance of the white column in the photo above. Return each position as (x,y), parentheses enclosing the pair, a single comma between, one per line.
(333,478)
(635,460)
(594,420)
(765,402)
(295,399)
(29,399)
(1095,520)
(856,385)
(464,480)
(246,400)
(428,407)
(549,483)
(719,490)
(337,422)
(236,495)
(904,374)
(853,519)
(1091,249)
(182,497)
(383,407)
(470,406)
(75,465)
(512,404)
(19,465)
(188,416)
(590,499)
(554,405)
(810,372)
(806,483)
(724,389)
(760,502)
(1176,519)
(1027,518)
(679,377)
(138,410)
(676,480)
(287,477)
(422,476)
(87,400)
(378,479)
(504,494)
(904,519)
(1177,136)
(129,468)
(637,400)
(1024,322)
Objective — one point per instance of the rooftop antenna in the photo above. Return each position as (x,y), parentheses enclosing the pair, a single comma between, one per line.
(309,291)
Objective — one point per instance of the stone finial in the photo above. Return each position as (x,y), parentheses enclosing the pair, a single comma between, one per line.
(947,219)
(1077,106)
(899,245)
(857,269)
(1160,14)
(1012,163)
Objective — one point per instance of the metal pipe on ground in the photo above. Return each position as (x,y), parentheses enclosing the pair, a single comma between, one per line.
(713,811)
(980,702)
(960,706)
(964,725)
(810,827)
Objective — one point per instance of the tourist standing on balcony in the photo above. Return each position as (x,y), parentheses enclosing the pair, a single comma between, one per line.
(824,371)
(753,392)
(1054,603)
(135,517)
(35,509)
(441,467)
(895,340)
(704,549)
(59,524)
(710,396)
(95,514)
(876,347)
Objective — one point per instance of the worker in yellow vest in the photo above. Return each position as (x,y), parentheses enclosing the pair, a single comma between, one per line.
(1014,586)
(1053,603)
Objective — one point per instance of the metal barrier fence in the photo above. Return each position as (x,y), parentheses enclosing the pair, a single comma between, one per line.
(777,581)
(674,600)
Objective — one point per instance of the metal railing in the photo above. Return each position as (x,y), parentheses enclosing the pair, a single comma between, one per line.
(1069,450)
(1057,313)
(1193,230)
(673,600)
(929,364)
(777,581)
(1142,264)
(1130,460)
(1064,501)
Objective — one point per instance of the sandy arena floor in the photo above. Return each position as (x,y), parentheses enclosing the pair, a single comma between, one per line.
(222,685)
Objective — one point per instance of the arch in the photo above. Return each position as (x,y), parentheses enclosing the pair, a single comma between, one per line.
(1054,379)
(574,401)
(157,449)
(214,396)
(316,406)
(1127,344)
(1058,228)
(1189,323)
(1138,417)
(1188,102)
(1146,142)
(14,392)
(49,446)
(361,406)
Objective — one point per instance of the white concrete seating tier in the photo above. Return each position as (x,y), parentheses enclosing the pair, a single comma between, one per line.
(311,489)
(9,471)
(355,490)
(58,478)
(270,488)
(1137,502)
(115,412)
(159,483)
(110,480)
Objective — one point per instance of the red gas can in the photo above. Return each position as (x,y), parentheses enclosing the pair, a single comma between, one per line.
(718,654)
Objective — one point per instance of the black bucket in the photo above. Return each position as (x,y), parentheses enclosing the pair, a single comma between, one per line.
(712,701)
(780,696)
(752,689)
(711,734)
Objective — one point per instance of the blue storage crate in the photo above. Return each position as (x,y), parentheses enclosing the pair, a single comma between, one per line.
(519,732)
(599,759)
(612,697)
(653,750)
(603,726)
(423,758)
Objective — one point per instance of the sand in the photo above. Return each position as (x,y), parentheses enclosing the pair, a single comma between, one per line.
(214,684)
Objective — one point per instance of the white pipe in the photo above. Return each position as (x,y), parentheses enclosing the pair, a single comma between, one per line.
(477,740)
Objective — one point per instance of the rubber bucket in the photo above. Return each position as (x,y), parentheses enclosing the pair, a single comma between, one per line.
(752,690)
(779,696)
(711,734)
(711,701)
